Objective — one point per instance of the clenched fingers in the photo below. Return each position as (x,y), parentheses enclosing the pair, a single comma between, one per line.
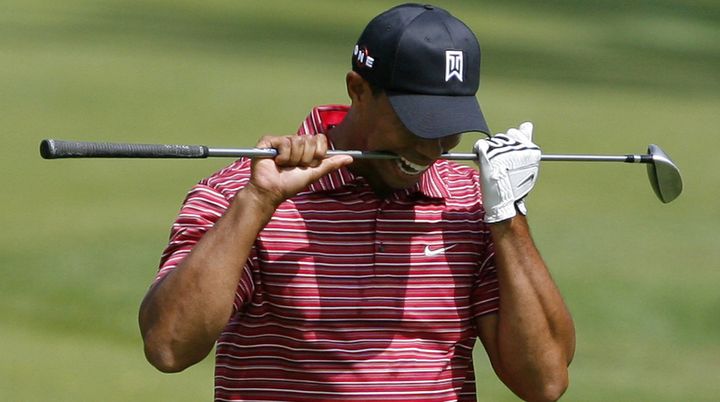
(302,151)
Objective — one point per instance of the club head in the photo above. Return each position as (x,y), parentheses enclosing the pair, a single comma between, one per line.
(664,176)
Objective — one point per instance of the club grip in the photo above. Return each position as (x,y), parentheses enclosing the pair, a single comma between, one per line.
(55,149)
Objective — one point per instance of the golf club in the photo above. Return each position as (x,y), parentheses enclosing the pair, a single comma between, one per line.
(663,174)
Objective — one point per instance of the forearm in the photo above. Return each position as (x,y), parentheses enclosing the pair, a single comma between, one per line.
(535,334)
(182,316)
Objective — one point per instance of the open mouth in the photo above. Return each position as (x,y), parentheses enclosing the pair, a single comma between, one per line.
(409,168)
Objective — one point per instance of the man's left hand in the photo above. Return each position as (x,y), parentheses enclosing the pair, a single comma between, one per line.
(508,170)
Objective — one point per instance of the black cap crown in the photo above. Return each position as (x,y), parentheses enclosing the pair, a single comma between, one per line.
(428,63)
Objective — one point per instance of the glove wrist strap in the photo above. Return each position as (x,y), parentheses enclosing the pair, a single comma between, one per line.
(500,213)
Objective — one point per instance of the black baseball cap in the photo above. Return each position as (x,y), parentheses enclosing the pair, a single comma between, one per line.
(428,64)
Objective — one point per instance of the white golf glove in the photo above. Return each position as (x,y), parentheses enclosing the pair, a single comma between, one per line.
(508,170)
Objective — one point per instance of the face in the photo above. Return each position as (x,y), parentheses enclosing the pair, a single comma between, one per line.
(385,132)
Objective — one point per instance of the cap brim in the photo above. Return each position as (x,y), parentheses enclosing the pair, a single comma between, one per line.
(437,116)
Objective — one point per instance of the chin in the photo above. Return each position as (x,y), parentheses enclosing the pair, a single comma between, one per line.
(385,177)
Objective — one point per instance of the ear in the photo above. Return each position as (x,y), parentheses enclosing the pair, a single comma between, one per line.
(357,88)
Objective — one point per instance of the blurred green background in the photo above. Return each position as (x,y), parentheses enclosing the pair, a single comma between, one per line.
(81,238)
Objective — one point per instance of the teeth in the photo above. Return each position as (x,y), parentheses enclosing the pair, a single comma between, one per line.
(410,168)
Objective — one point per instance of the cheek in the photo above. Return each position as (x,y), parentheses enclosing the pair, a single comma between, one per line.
(450,142)
(389,138)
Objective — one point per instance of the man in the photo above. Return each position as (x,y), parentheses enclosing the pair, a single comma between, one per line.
(339,279)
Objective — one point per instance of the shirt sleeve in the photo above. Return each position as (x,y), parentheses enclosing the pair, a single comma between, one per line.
(202,208)
(485,296)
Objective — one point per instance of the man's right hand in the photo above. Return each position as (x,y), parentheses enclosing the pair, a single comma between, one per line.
(300,161)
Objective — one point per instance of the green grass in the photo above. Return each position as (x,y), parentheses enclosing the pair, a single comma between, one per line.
(82,238)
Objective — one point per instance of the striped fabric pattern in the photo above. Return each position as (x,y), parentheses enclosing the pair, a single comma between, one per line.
(347,296)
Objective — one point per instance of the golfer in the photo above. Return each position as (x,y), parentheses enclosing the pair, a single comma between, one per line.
(368,280)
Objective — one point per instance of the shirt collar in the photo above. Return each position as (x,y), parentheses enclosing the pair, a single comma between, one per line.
(324,118)
(430,185)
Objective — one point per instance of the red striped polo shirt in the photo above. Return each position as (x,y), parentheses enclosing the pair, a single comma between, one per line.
(349,296)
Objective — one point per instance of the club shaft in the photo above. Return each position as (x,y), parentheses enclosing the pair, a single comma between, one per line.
(271,153)
(629,158)
(56,149)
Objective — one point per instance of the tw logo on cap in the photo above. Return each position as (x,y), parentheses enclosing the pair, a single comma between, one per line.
(453,65)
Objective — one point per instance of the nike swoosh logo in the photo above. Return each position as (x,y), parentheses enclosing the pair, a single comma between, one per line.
(432,253)
(527,180)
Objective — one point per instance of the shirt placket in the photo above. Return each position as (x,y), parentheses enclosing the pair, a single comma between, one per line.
(382,236)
